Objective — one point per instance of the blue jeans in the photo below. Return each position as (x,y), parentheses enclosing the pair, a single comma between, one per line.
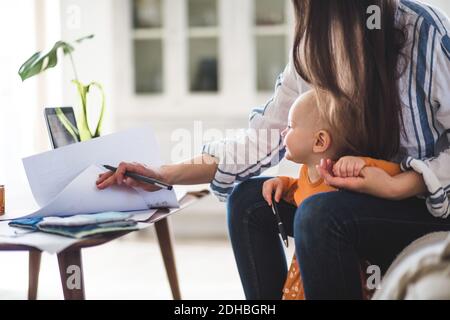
(333,231)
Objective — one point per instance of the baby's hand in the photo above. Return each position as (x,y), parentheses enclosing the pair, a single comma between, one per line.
(348,167)
(271,185)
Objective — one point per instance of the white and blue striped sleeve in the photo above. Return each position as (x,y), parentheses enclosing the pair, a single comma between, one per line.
(436,170)
(261,146)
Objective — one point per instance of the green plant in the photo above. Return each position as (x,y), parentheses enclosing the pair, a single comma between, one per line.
(40,61)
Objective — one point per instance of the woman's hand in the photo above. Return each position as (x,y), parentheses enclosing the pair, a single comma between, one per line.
(110,178)
(271,186)
(371,180)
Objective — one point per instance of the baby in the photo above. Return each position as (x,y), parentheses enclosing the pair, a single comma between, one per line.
(308,139)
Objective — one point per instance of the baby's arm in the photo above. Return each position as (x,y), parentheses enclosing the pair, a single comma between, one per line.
(391,168)
(351,166)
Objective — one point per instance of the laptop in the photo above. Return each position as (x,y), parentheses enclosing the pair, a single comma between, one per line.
(59,135)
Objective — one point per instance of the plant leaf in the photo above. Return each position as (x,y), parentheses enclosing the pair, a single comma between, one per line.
(102,108)
(30,67)
(39,62)
(82,121)
(73,131)
(84,38)
(84,131)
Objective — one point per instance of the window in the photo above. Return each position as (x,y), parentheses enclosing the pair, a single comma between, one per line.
(270,32)
(190,48)
(203,45)
(148,27)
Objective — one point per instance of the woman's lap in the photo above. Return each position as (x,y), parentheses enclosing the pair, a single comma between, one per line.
(375,227)
(254,237)
(332,232)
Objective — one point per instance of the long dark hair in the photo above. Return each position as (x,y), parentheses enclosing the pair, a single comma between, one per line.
(336,53)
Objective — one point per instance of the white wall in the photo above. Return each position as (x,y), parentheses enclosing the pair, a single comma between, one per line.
(95,58)
(22,129)
(442,4)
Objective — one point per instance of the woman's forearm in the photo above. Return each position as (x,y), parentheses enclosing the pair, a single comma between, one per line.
(198,170)
(409,184)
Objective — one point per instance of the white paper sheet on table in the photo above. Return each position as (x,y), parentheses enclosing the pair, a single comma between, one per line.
(81,196)
(63,180)
(47,242)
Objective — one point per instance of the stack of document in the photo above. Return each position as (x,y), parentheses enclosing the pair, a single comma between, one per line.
(63,180)
(79,226)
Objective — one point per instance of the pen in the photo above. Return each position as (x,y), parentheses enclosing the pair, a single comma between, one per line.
(142,178)
(280,223)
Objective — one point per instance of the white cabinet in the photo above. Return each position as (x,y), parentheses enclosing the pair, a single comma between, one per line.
(197,58)
(203,45)
(148,38)
(270,29)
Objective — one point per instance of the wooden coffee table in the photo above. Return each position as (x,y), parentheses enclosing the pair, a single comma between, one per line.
(72,255)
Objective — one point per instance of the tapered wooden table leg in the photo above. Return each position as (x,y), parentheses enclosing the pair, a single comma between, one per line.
(34,265)
(165,240)
(71,272)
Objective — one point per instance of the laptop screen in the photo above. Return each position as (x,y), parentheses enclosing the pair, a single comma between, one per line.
(60,136)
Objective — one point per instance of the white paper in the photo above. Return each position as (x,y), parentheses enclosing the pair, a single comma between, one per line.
(47,242)
(43,241)
(180,192)
(143,216)
(7,231)
(66,187)
(50,172)
(81,196)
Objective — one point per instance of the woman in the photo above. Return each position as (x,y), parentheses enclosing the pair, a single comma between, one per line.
(395,80)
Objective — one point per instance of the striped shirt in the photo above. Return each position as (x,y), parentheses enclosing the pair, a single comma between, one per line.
(425,95)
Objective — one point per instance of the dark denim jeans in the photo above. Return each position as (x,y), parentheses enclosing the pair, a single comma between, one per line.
(333,231)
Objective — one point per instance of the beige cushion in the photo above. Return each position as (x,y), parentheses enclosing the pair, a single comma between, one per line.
(421,271)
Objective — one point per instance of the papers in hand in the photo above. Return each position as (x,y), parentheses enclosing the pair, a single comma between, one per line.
(63,180)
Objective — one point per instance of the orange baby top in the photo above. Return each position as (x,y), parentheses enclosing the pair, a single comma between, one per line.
(301,188)
(298,190)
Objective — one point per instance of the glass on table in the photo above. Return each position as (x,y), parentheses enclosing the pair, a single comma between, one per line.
(2,200)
